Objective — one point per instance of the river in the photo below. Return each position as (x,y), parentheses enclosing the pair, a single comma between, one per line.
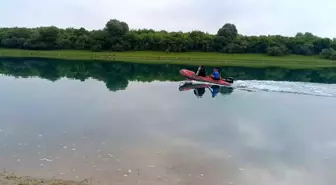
(123,123)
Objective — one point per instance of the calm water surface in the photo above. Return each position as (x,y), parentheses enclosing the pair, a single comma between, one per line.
(141,129)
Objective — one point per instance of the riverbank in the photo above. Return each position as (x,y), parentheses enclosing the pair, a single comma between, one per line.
(187,58)
(12,179)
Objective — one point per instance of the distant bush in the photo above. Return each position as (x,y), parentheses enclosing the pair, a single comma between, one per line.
(328,54)
(277,51)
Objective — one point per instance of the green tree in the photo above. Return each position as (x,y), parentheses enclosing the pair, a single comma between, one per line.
(49,36)
(116,28)
(228,31)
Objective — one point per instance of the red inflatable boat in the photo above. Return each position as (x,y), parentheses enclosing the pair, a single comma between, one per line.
(191,76)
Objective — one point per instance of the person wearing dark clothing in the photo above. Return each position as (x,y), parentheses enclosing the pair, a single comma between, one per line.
(200,71)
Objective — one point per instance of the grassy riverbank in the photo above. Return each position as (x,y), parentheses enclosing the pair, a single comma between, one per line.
(189,58)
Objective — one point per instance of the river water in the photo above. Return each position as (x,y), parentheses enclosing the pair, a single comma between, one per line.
(122,123)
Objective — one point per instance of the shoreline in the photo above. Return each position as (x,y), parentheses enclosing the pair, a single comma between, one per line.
(186,58)
(12,179)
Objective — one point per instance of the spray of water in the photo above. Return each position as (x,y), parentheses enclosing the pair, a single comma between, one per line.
(303,88)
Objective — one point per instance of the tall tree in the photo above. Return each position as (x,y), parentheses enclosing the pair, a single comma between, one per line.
(228,31)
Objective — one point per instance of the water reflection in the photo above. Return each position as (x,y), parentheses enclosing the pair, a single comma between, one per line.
(200,89)
(117,75)
(153,133)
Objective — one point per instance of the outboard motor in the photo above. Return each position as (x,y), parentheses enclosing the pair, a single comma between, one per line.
(229,79)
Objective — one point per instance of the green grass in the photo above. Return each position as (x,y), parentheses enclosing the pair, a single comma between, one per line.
(188,58)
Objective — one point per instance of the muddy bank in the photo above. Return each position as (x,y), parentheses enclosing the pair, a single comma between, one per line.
(12,179)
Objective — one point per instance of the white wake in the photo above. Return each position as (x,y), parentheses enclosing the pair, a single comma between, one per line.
(304,88)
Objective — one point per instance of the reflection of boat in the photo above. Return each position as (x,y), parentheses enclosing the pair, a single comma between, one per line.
(191,75)
(199,88)
(189,86)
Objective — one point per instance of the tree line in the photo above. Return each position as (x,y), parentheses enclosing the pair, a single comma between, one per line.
(117,36)
(117,75)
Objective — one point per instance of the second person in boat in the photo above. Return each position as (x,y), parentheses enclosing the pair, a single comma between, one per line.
(215,74)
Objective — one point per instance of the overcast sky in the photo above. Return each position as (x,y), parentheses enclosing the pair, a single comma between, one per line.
(252,17)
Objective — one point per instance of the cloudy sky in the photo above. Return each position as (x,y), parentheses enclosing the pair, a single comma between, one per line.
(252,17)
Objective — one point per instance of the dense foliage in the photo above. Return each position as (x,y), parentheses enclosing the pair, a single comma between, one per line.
(117,36)
(116,76)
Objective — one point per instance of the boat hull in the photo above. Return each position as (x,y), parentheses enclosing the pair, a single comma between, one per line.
(191,76)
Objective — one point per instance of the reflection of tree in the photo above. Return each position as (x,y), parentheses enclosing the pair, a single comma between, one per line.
(116,75)
(50,72)
(116,84)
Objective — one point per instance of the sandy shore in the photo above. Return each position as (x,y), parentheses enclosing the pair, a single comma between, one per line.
(12,179)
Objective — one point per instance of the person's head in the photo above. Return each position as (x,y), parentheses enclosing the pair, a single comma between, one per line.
(215,69)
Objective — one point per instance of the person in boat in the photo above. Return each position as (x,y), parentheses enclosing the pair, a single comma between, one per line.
(215,74)
(201,71)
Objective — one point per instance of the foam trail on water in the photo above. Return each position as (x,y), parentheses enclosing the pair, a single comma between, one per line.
(304,88)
